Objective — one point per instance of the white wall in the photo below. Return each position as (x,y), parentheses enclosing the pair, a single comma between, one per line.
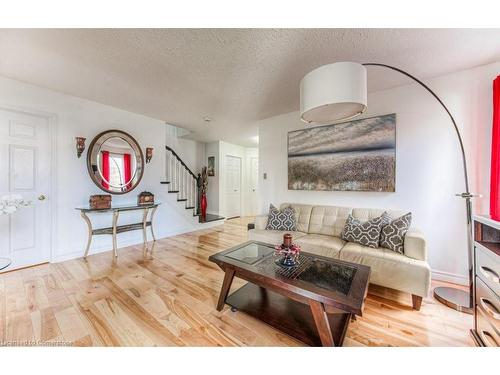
(191,152)
(428,161)
(79,117)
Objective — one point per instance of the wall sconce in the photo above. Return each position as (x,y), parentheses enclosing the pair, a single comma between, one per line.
(80,145)
(149,154)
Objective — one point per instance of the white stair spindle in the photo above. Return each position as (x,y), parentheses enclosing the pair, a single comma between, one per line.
(174,187)
(190,191)
(184,173)
(174,166)
(169,166)
(193,199)
(181,183)
(166,165)
(171,169)
(195,196)
(177,175)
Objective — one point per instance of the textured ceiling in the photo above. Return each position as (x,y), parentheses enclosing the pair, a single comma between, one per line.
(235,76)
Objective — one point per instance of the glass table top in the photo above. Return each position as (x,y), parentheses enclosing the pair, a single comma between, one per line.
(4,263)
(328,275)
(251,253)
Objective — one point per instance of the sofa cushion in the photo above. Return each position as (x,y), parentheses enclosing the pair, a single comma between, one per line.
(367,233)
(281,219)
(390,269)
(392,235)
(302,215)
(365,214)
(273,237)
(328,220)
(319,244)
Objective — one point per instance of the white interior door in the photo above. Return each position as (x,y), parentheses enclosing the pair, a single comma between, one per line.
(233,186)
(25,152)
(254,177)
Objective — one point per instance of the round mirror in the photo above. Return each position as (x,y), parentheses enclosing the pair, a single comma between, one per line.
(115,162)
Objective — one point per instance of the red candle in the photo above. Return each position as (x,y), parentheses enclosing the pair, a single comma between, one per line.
(287,240)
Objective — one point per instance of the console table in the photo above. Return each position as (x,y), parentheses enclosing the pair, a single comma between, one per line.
(147,221)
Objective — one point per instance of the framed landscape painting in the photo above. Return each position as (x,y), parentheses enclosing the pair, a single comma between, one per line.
(351,156)
(211,166)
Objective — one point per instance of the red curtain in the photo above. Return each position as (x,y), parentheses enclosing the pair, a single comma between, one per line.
(495,154)
(127,169)
(105,169)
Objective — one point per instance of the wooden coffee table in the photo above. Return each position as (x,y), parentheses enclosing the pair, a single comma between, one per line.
(313,302)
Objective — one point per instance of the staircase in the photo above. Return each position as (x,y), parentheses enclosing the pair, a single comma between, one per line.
(184,183)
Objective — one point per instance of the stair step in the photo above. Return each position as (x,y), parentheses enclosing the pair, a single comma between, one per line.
(164,182)
(210,218)
(173,191)
(182,200)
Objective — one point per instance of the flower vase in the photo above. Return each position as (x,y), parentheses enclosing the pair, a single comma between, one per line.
(203,206)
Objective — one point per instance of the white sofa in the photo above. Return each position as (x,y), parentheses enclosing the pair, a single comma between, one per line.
(319,229)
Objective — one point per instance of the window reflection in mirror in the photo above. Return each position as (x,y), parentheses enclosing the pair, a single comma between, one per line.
(115,162)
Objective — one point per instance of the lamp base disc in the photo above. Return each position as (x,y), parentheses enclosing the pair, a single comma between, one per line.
(457,299)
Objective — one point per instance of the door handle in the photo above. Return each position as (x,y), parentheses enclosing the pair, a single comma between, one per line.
(42,197)
(488,338)
(485,303)
(490,274)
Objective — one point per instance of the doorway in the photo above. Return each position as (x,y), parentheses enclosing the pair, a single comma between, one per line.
(25,167)
(254,178)
(233,186)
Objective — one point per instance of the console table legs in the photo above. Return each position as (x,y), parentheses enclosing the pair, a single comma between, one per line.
(153,211)
(114,229)
(226,285)
(322,324)
(115,221)
(89,238)
(151,219)
(144,232)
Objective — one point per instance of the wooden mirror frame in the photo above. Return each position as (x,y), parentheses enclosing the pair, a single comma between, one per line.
(92,153)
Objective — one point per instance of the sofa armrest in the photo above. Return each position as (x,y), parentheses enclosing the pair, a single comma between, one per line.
(415,245)
(261,222)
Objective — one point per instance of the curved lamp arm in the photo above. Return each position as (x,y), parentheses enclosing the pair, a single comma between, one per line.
(464,161)
(457,299)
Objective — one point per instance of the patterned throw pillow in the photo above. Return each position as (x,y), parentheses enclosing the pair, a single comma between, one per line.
(281,220)
(367,233)
(392,236)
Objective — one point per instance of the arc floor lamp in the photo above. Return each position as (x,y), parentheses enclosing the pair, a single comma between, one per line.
(337,92)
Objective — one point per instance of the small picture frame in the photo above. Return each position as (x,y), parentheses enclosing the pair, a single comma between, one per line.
(211,166)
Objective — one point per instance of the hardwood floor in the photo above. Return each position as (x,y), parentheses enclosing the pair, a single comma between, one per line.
(170,300)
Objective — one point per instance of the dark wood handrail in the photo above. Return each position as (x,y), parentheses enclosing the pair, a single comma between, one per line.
(183,164)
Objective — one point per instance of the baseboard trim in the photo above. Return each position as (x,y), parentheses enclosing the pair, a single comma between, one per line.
(135,242)
(450,277)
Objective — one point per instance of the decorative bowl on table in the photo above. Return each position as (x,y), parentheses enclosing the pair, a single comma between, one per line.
(287,253)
